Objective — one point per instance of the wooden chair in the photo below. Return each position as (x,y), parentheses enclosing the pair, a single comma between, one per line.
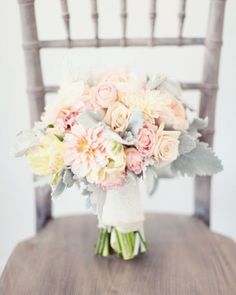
(184,256)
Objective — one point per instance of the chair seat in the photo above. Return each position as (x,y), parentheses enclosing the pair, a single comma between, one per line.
(184,257)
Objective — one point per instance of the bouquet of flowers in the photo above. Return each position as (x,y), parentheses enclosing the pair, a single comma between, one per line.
(108,135)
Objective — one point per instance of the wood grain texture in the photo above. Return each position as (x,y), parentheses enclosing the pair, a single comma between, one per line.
(36,93)
(184,258)
(208,99)
(116,42)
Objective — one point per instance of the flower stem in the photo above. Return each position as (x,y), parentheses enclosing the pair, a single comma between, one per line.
(127,245)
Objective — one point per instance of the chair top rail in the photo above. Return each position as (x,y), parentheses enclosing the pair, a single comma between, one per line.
(184,86)
(115,42)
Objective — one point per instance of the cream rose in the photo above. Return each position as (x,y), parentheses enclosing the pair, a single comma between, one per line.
(104,94)
(166,149)
(117,117)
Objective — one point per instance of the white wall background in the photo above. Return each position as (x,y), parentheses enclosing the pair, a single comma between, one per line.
(17,214)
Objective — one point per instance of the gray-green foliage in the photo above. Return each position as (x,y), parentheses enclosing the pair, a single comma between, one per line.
(199,161)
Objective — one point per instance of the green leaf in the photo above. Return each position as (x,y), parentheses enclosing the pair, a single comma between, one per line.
(200,161)
(59,137)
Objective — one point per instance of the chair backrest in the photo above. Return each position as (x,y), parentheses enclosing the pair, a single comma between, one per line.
(208,86)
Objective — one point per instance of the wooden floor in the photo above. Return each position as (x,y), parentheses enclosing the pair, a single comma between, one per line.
(184,258)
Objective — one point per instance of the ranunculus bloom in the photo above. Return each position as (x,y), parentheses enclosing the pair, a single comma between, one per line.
(166,149)
(104,94)
(134,160)
(146,139)
(117,117)
(66,118)
(113,180)
(86,152)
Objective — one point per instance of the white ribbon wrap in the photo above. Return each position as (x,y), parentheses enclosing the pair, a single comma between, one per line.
(123,208)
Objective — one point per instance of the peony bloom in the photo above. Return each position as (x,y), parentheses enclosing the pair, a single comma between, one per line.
(117,117)
(167,146)
(48,157)
(146,139)
(134,160)
(173,114)
(86,152)
(104,94)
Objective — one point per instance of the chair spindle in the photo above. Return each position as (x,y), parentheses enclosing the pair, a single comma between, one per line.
(95,20)
(153,15)
(66,18)
(123,21)
(181,16)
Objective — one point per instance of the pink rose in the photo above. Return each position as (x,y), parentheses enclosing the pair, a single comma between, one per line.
(134,160)
(146,139)
(104,94)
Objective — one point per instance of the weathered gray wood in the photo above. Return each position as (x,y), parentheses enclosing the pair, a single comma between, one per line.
(182,15)
(208,98)
(153,15)
(184,86)
(95,20)
(43,206)
(123,21)
(35,90)
(184,258)
(66,18)
(117,42)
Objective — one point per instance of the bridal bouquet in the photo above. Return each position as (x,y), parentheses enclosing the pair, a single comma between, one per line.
(109,135)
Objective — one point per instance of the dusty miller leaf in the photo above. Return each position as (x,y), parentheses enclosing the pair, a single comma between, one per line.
(25,140)
(68,178)
(186,143)
(161,82)
(200,161)
(197,124)
(173,87)
(58,189)
(128,139)
(151,180)
(89,118)
(135,121)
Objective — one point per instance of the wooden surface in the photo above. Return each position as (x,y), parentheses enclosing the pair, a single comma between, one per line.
(184,258)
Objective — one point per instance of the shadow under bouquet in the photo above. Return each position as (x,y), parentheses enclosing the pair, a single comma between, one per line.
(111,134)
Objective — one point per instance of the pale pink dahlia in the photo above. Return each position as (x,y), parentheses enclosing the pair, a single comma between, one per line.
(86,152)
